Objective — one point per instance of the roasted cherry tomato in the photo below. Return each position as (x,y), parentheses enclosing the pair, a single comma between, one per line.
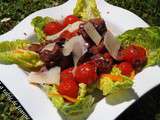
(52,28)
(107,56)
(68,35)
(133,54)
(69,88)
(103,63)
(126,68)
(86,73)
(70,19)
(67,75)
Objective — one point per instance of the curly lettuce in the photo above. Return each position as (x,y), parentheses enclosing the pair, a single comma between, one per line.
(79,110)
(148,38)
(13,45)
(108,86)
(82,90)
(38,23)
(86,9)
(56,99)
(154,58)
(14,52)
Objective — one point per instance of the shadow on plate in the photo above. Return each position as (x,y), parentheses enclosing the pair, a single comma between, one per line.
(121,96)
(81,116)
(32,38)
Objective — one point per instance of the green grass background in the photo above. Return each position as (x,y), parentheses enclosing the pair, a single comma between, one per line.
(16,10)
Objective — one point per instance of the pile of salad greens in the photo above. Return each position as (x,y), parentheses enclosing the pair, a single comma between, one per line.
(16,52)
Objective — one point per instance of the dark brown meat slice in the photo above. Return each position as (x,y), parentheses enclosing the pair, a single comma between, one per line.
(94,50)
(82,32)
(86,57)
(35,47)
(60,41)
(99,25)
(103,65)
(52,58)
(66,62)
(100,49)
(56,57)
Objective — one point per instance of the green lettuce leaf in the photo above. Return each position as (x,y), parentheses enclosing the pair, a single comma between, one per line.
(154,58)
(127,83)
(13,45)
(13,52)
(86,9)
(58,100)
(38,23)
(79,110)
(148,37)
(82,90)
(108,86)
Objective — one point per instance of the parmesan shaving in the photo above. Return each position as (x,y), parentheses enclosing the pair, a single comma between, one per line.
(111,44)
(92,33)
(48,77)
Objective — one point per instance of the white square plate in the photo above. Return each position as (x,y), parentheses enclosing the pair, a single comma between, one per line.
(34,99)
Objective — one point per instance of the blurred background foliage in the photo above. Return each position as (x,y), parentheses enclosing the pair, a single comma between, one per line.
(148,10)
(17,10)
(8,111)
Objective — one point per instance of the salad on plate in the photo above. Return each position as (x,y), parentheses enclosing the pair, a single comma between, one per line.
(77,61)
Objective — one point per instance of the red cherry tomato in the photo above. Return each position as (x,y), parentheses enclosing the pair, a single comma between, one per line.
(128,54)
(67,75)
(126,68)
(103,63)
(107,56)
(68,35)
(52,28)
(69,88)
(133,54)
(141,52)
(86,73)
(70,19)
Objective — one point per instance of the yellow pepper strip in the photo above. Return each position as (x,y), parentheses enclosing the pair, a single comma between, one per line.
(113,77)
(19,51)
(132,75)
(73,100)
